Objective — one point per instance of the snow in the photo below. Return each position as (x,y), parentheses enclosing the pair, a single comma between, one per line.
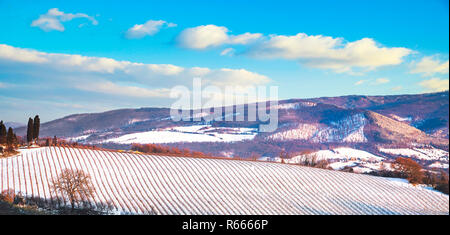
(210,128)
(342,153)
(349,129)
(429,154)
(296,105)
(287,106)
(135,120)
(270,159)
(401,119)
(303,131)
(361,169)
(339,158)
(78,138)
(438,165)
(342,165)
(404,183)
(138,184)
(358,154)
(434,153)
(157,137)
(193,128)
(195,133)
(307,104)
(200,115)
(89,131)
(356,136)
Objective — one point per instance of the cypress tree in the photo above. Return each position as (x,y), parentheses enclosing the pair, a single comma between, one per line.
(30,130)
(2,133)
(36,125)
(10,138)
(15,140)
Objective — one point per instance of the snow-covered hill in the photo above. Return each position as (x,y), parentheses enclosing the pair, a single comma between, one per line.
(339,158)
(195,133)
(363,162)
(349,129)
(179,185)
(428,154)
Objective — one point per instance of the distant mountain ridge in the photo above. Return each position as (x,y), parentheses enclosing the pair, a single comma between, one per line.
(366,120)
(13,124)
(427,112)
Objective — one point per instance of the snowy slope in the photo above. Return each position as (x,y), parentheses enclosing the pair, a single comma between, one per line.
(195,133)
(179,185)
(349,129)
(342,153)
(428,154)
(339,158)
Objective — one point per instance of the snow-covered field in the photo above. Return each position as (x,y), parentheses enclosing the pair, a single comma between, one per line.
(429,154)
(364,162)
(342,153)
(197,133)
(439,165)
(296,105)
(339,158)
(179,185)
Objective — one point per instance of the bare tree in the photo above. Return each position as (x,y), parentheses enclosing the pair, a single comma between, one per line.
(75,185)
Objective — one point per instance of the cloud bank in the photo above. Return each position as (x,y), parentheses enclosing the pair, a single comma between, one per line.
(121,78)
(149,28)
(52,20)
(435,85)
(316,51)
(429,66)
(329,53)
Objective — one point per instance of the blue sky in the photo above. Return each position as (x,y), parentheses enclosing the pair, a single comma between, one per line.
(61,57)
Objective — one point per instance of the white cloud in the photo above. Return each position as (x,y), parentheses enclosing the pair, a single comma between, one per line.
(53,18)
(165,69)
(199,72)
(227,51)
(149,28)
(379,81)
(315,51)
(435,85)
(85,63)
(206,36)
(329,53)
(20,55)
(429,66)
(88,73)
(244,39)
(202,37)
(360,82)
(108,87)
(235,77)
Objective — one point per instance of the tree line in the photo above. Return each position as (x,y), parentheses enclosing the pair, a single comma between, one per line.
(33,129)
(9,141)
(155,148)
(7,138)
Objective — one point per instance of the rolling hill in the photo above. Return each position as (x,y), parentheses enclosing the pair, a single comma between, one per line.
(140,184)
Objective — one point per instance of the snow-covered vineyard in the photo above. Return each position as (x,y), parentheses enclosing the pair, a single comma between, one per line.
(139,184)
